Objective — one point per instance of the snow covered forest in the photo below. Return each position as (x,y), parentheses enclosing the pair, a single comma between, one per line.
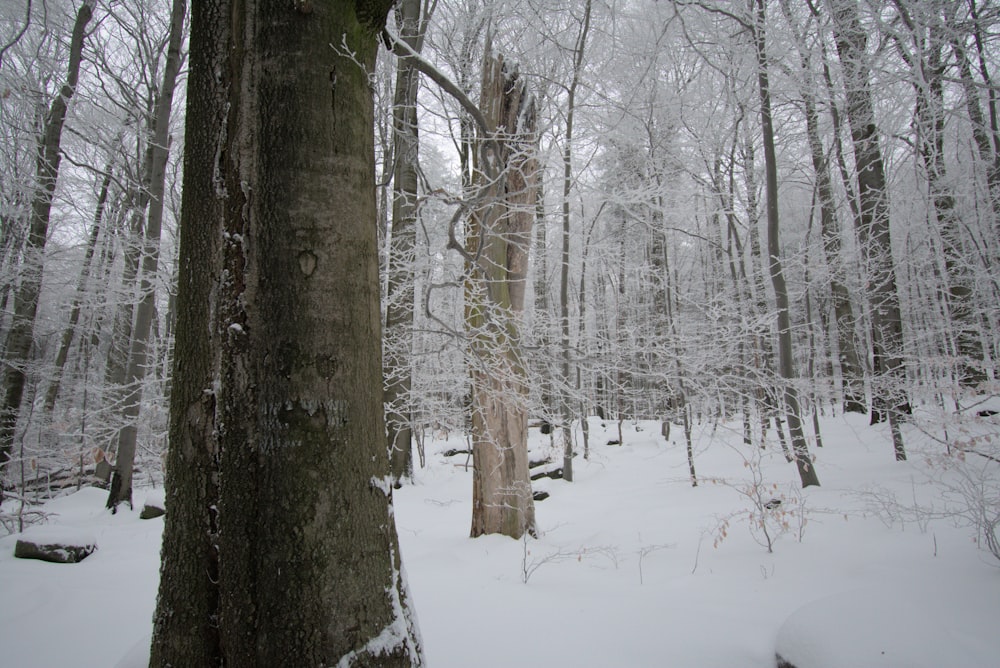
(556,226)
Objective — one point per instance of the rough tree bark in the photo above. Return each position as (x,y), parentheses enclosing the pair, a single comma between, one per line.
(308,561)
(185,625)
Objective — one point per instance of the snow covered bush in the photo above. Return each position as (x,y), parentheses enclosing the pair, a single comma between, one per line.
(961,481)
(770,510)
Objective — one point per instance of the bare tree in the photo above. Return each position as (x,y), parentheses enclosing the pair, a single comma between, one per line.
(851,370)
(21,335)
(566,414)
(923,47)
(121,483)
(786,365)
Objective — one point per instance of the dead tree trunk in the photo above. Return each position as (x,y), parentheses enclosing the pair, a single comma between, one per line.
(497,250)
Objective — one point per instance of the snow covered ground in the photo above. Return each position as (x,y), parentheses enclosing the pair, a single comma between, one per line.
(633,567)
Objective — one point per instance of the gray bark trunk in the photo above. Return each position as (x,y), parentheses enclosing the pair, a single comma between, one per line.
(309,566)
(889,375)
(121,484)
(786,364)
(399,311)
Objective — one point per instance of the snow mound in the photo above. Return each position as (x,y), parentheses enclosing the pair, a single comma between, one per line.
(155,497)
(56,534)
(904,625)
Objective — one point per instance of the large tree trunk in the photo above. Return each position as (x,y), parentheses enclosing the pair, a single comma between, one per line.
(121,482)
(498,239)
(889,374)
(786,365)
(399,310)
(309,565)
(186,625)
(22,332)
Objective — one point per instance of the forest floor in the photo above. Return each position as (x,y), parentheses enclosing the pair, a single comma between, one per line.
(633,567)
